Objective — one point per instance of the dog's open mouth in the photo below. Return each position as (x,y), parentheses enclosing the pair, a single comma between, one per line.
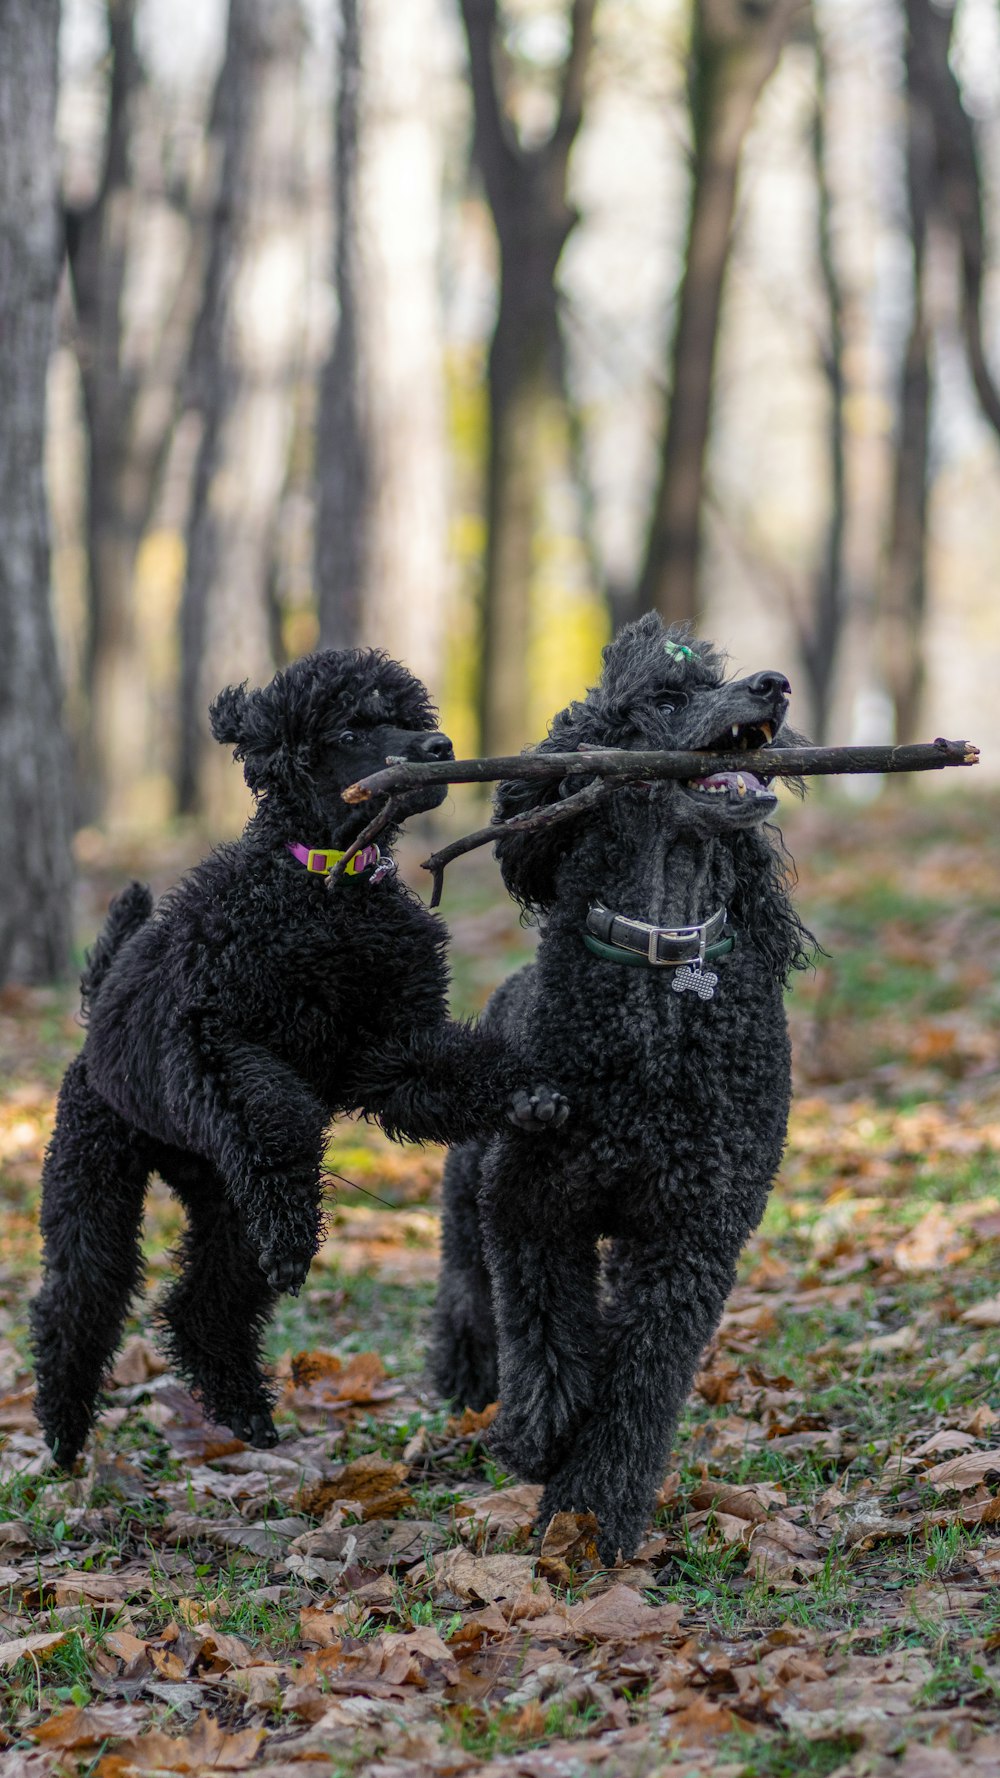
(740,737)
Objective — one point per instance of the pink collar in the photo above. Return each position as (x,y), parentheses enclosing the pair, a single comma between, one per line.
(320,862)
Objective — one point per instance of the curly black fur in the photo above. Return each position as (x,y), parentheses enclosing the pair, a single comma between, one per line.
(583,1281)
(227,1026)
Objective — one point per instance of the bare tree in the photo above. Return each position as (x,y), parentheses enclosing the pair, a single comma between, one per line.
(957,197)
(527,191)
(343,444)
(944,188)
(239,376)
(97,238)
(821,623)
(35,864)
(381,541)
(903,592)
(735,47)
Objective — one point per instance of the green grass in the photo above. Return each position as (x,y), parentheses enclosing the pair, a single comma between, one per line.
(491,1736)
(793,1756)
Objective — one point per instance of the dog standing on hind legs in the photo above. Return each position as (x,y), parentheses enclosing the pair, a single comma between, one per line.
(229,1024)
(581,1282)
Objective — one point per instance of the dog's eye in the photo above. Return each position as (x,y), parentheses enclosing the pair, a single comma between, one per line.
(346,738)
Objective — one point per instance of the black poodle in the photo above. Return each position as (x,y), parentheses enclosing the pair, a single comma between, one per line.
(229,1024)
(656,1002)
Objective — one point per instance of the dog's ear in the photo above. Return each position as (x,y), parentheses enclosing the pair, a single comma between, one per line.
(227,714)
(528,861)
(256,725)
(761,903)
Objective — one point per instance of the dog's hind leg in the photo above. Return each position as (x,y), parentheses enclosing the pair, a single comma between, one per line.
(93,1188)
(213,1317)
(544,1272)
(463,1363)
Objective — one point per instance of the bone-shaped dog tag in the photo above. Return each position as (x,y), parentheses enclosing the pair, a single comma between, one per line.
(693,976)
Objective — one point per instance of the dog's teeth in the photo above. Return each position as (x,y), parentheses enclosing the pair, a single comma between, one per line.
(767,731)
(736,731)
(741,787)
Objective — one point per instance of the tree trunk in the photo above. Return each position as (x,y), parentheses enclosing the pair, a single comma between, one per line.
(527,191)
(343,482)
(821,629)
(735,48)
(524,381)
(381,513)
(957,198)
(35,862)
(904,584)
(239,381)
(97,239)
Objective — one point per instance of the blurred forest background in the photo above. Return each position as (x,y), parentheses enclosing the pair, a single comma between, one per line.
(470,330)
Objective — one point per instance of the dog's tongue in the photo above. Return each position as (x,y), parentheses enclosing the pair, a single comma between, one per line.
(727,781)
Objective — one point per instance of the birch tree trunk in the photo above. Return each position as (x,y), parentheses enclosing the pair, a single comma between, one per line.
(381,552)
(240,379)
(735,48)
(35,863)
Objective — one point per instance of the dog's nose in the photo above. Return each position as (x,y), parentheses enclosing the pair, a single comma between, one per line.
(769,685)
(433,746)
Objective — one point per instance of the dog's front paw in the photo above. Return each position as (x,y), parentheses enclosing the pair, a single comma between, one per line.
(542,1109)
(286,1268)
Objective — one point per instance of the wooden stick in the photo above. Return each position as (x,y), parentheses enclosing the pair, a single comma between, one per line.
(621,765)
(527,823)
(383,820)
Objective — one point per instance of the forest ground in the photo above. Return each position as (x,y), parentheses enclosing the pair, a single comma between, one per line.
(817,1593)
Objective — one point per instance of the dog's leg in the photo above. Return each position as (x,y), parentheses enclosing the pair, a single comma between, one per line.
(453,1083)
(264,1129)
(463,1362)
(93,1188)
(214,1316)
(666,1301)
(544,1271)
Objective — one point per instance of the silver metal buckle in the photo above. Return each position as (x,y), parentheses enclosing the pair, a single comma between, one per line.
(655,933)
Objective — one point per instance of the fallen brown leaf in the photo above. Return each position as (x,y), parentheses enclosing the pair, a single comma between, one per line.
(75,1727)
(483,1578)
(374,1483)
(570,1538)
(933,1243)
(332,1381)
(208,1744)
(471,1421)
(263,1537)
(504,1513)
(984,1314)
(94,1588)
(622,1615)
(966,1471)
(44,1642)
(137,1362)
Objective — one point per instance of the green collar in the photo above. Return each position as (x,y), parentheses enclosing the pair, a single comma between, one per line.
(618,953)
